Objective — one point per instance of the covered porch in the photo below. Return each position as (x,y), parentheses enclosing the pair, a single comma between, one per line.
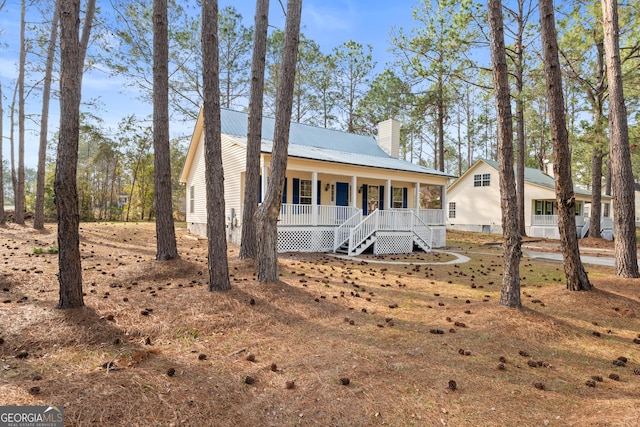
(340,211)
(544,220)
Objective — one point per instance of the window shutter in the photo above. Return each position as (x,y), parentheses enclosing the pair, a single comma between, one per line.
(296,191)
(381,198)
(364,199)
(405,197)
(260,189)
(319,190)
(284,191)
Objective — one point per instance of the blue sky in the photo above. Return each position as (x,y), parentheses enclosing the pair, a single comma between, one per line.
(328,22)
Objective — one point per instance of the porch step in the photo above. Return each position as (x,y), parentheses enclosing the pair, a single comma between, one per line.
(364,245)
(417,240)
(344,249)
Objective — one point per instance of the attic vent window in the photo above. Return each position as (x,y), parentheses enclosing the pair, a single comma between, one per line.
(482,180)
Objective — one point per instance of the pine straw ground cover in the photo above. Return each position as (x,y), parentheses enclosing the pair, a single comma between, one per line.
(418,344)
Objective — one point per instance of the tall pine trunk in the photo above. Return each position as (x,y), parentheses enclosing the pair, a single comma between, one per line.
(576,275)
(510,291)
(166,248)
(249,244)
(19,193)
(597,97)
(214,176)
(12,145)
(267,214)
(520,134)
(621,172)
(596,180)
(38,219)
(66,194)
(1,161)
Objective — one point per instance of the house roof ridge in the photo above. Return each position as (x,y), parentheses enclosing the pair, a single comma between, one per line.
(301,124)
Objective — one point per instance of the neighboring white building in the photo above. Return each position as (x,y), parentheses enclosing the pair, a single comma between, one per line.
(474,203)
(342,191)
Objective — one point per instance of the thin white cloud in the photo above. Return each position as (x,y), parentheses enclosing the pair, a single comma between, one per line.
(8,68)
(321,16)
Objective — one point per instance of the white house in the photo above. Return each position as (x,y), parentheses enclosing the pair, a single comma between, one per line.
(474,203)
(343,192)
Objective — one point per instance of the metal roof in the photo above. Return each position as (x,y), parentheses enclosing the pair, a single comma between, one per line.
(350,158)
(536,176)
(316,143)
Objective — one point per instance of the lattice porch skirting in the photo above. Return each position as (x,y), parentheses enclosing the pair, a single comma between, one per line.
(305,239)
(438,236)
(393,242)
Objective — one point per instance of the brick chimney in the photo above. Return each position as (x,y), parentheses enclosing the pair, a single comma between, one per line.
(389,137)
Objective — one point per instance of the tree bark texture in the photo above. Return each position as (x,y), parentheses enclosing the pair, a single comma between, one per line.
(38,219)
(214,176)
(66,194)
(621,172)
(597,97)
(249,243)
(510,292)
(267,214)
(18,196)
(574,270)
(166,248)
(12,142)
(441,120)
(1,161)
(596,191)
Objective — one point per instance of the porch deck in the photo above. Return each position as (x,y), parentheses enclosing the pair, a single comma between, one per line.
(322,228)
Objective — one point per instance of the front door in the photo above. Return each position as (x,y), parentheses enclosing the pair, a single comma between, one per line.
(342,194)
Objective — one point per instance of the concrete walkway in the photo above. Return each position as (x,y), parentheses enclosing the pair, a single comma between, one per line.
(557,256)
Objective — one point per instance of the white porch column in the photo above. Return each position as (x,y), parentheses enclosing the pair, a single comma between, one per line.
(417,204)
(265,182)
(314,198)
(387,201)
(354,191)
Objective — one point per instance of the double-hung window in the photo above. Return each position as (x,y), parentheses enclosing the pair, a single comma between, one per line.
(482,180)
(305,192)
(398,198)
(192,199)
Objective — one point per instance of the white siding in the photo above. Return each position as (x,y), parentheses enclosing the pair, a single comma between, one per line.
(196,179)
(475,206)
(233,163)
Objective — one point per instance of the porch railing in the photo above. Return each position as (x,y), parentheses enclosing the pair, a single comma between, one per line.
(343,231)
(431,216)
(363,231)
(318,215)
(552,221)
(389,220)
